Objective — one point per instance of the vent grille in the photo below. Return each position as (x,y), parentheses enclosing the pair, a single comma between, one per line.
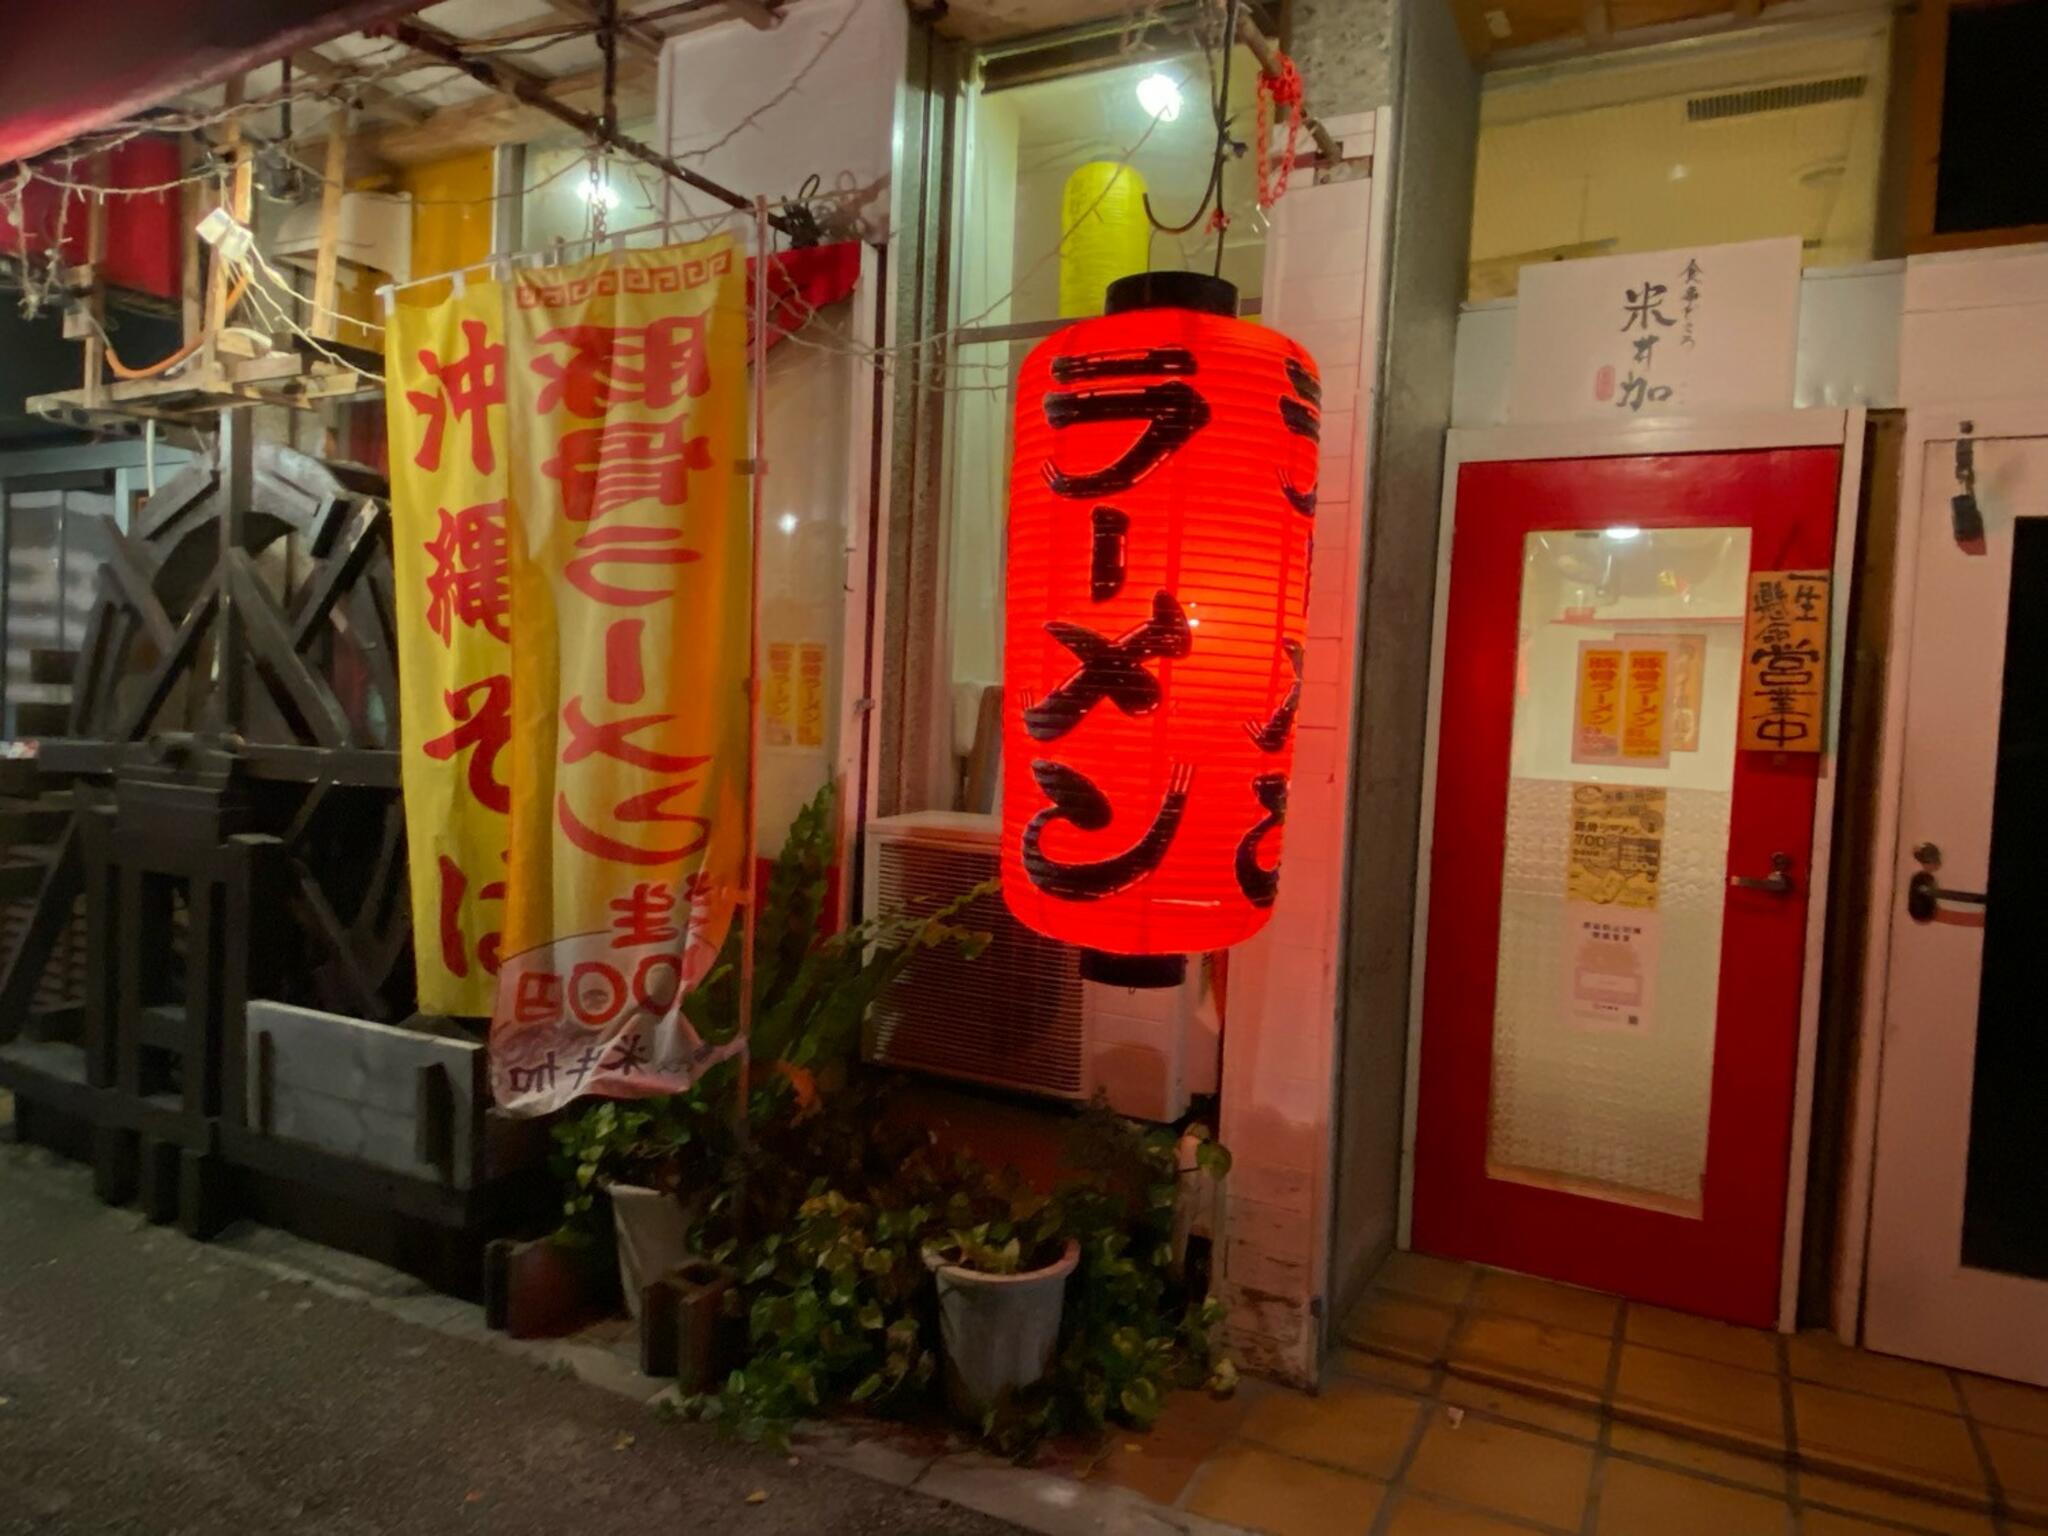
(1774,98)
(1012,1016)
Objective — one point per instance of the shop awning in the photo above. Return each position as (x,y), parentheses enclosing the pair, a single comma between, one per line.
(67,69)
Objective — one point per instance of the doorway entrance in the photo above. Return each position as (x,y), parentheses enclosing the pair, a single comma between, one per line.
(1959,1218)
(1617,914)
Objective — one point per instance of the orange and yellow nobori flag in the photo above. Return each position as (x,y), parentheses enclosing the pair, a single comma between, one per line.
(627,385)
(445,404)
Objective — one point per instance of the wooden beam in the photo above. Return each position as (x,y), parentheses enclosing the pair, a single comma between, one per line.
(644,40)
(761,15)
(496,119)
(191,285)
(236,203)
(327,252)
(369,95)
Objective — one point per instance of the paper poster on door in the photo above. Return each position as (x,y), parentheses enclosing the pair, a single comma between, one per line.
(1683,689)
(1617,846)
(1620,708)
(1612,928)
(1643,678)
(1596,713)
(1610,967)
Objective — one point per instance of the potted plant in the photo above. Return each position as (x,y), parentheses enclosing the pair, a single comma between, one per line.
(664,1163)
(638,1159)
(1002,1291)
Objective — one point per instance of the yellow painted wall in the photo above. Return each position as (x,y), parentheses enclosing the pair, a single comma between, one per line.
(1602,158)
(451,217)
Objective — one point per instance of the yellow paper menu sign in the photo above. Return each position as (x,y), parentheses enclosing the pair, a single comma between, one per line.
(1784,661)
(1617,846)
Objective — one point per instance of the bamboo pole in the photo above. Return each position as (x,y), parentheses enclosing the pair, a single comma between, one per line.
(757,469)
(327,254)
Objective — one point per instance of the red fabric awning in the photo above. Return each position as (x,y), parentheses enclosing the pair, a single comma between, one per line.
(803,281)
(66,69)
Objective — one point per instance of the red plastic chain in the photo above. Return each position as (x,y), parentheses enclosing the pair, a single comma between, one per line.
(1282,88)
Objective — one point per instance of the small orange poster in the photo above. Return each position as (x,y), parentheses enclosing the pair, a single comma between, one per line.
(1644,676)
(1596,728)
(778,696)
(810,694)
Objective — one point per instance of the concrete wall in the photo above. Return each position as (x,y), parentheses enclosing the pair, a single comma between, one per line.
(1285,994)
(1436,120)
(1345,52)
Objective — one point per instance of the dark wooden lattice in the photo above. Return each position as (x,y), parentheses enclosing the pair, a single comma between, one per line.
(312,724)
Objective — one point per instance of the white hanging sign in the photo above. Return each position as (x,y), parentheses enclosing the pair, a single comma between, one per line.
(1662,333)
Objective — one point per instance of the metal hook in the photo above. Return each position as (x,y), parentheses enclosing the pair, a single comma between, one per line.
(1966,518)
(1200,208)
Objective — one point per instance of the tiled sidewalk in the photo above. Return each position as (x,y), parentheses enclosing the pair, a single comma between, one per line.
(1476,1401)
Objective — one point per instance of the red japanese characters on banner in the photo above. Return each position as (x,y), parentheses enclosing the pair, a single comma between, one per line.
(1162,506)
(451,522)
(628,732)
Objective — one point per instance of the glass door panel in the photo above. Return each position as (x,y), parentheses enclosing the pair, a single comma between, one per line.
(1621,769)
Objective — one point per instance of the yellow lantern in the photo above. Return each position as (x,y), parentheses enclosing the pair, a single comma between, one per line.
(1104,207)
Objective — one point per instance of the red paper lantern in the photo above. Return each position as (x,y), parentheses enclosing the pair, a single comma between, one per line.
(1162,500)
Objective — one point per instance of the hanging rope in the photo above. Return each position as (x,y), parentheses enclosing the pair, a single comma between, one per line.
(1280,88)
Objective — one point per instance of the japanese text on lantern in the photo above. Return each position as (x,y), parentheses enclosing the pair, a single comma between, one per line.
(446,415)
(629,722)
(1159,548)
(1784,677)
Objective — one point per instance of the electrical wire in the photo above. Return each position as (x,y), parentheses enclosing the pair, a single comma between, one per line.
(885,357)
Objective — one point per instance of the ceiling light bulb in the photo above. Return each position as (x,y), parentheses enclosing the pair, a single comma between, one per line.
(787,522)
(1621,533)
(1159,95)
(594,191)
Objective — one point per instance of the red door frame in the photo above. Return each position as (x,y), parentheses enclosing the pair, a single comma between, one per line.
(1726,1262)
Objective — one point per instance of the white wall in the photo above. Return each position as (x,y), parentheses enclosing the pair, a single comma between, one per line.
(1849,341)
(1283,1008)
(760,110)
(1975,326)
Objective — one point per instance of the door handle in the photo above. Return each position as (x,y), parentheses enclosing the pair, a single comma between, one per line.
(1924,895)
(1778,882)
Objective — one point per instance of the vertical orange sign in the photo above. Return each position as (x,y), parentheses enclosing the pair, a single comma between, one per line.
(1596,723)
(810,694)
(778,696)
(1784,673)
(1644,675)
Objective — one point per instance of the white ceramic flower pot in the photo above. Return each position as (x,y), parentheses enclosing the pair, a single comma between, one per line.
(653,1229)
(999,1331)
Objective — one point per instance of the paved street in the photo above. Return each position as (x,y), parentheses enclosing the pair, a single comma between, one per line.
(151,1384)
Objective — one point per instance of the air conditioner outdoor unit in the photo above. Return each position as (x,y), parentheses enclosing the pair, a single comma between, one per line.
(1019,1015)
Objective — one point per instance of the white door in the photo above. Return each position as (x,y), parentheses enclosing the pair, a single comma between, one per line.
(1959,1222)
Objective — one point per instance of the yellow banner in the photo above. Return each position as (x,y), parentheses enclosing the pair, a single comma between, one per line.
(628,389)
(445,409)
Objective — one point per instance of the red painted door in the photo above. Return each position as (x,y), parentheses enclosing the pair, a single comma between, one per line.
(1610,1022)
